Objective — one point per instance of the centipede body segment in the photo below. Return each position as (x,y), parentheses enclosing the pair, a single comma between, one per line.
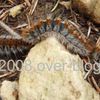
(13,48)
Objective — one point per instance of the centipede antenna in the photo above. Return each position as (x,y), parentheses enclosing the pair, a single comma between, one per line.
(9,30)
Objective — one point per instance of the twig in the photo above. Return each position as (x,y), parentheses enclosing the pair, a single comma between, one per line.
(77,27)
(9,30)
(27,2)
(6,74)
(98,44)
(55,6)
(66,4)
(89,31)
(5,6)
(20,26)
(95,84)
(34,4)
(11,1)
(28,20)
(4,14)
(89,80)
(13,74)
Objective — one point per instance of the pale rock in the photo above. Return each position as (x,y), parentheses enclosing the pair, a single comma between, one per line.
(89,7)
(50,72)
(96,13)
(8,90)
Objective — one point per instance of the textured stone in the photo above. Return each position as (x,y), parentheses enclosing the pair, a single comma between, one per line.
(50,72)
(9,90)
(89,7)
(96,13)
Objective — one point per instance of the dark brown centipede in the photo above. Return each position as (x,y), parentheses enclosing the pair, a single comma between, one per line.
(64,31)
(73,40)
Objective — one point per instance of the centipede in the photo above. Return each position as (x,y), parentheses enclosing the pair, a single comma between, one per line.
(64,31)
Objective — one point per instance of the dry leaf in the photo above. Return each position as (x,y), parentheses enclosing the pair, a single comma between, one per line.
(15,10)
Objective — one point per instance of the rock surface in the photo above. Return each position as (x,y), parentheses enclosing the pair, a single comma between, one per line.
(53,73)
(9,90)
(89,7)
